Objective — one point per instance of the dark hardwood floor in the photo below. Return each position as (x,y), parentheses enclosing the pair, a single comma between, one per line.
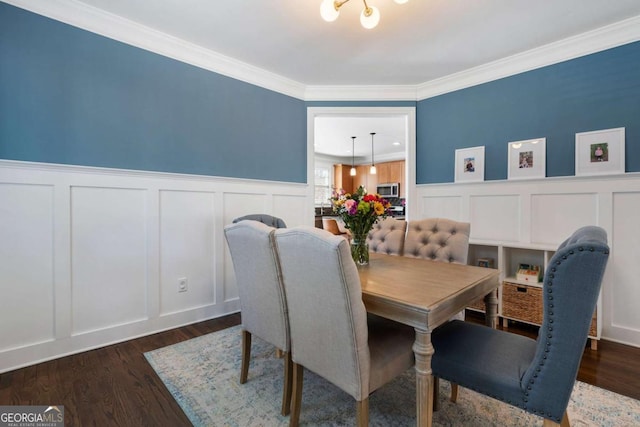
(115,386)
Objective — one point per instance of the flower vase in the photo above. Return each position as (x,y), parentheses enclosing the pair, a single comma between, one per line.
(360,249)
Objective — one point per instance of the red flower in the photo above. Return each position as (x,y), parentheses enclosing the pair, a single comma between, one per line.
(370,198)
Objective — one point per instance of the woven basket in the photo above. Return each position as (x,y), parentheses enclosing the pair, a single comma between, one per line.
(522,302)
(478,305)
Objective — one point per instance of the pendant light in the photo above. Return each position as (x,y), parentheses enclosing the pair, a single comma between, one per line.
(352,172)
(372,171)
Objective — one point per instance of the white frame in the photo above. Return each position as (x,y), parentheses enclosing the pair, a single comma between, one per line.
(615,140)
(461,174)
(538,169)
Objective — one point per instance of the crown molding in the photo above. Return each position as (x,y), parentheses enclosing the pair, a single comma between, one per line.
(360,93)
(97,21)
(106,24)
(603,38)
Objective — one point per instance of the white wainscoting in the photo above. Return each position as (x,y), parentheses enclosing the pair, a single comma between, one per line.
(542,213)
(92,256)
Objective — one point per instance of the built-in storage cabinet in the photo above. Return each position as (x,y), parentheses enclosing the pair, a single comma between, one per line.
(519,300)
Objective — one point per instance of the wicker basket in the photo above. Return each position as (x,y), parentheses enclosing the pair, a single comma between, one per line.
(478,305)
(523,302)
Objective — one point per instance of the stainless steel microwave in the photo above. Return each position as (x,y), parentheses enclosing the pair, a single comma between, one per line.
(389,189)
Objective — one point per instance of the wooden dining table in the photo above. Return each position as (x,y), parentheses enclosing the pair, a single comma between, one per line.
(424,294)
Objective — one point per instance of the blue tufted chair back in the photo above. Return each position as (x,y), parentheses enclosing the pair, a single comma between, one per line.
(438,239)
(269,220)
(571,286)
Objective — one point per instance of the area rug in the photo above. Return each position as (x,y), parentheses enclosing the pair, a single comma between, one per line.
(202,375)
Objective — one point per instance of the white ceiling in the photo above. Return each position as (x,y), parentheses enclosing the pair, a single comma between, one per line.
(414,44)
(333,137)
(417,42)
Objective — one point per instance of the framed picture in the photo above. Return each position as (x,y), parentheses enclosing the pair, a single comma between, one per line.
(469,164)
(527,159)
(600,152)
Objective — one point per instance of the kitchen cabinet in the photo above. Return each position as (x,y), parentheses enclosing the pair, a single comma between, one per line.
(385,172)
(342,178)
(392,172)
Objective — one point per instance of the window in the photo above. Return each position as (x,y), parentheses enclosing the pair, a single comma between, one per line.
(322,186)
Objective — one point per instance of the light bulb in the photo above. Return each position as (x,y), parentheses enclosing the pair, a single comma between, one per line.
(352,172)
(371,18)
(328,11)
(401,1)
(372,171)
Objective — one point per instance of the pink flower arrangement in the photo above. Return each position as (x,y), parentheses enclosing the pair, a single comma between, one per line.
(359,210)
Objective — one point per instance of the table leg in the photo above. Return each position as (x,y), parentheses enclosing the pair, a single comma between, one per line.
(423,350)
(491,309)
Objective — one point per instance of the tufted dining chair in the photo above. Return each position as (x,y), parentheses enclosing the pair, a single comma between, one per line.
(387,236)
(262,299)
(535,375)
(271,221)
(438,239)
(331,334)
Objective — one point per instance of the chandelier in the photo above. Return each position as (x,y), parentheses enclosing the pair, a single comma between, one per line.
(369,18)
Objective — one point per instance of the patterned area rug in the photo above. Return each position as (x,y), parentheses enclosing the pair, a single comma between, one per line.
(202,375)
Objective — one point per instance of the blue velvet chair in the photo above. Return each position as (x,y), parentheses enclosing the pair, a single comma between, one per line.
(535,375)
(271,221)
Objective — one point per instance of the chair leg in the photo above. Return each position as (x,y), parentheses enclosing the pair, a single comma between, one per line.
(288,380)
(246,355)
(436,393)
(454,392)
(294,419)
(563,423)
(362,412)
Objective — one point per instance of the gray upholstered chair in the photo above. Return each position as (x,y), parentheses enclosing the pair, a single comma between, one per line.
(262,299)
(535,375)
(271,221)
(438,239)
(330,332)
(387,236)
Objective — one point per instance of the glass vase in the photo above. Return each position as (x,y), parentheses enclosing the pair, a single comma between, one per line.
(360,249)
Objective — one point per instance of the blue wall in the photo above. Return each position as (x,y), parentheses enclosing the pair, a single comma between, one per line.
(598,91)
(69,96)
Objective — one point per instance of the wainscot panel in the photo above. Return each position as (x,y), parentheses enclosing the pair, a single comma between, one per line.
(26,264)
(542,213)
(98,255)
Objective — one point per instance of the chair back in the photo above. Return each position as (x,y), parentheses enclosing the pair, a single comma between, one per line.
(326,313)
(258,277)
(387,236)
(572,283)
(331,225)
(438,239)
(271,221)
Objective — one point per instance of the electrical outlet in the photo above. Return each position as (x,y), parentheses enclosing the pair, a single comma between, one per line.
(183,284)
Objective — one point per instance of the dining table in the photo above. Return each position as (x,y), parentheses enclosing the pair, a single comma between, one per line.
(425,294)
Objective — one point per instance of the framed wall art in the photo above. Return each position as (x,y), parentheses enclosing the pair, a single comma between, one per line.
(600,152)
(527,159)
(469,164)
